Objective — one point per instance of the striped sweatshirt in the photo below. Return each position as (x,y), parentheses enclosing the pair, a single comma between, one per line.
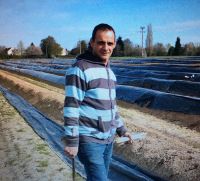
(90,110)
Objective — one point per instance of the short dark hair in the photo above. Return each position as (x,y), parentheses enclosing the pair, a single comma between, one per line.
(102,27)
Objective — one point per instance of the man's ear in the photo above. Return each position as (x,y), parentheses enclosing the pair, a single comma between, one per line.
(91,42)
(115,44)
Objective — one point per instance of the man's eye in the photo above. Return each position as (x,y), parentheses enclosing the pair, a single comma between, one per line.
(110,44)
(101,43)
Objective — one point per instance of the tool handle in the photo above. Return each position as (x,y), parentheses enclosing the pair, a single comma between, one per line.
(74,172)
(73,160)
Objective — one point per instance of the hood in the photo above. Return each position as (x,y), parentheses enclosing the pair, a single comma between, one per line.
(89,57)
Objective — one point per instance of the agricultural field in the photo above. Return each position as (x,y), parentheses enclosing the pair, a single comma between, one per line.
(158,96)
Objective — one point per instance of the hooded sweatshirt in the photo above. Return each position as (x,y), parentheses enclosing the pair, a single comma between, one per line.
(90,110)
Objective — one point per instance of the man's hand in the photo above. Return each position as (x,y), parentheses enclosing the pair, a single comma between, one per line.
(71,152)
(127,134)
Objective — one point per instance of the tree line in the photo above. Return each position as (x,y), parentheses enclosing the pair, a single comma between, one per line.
(49,48)
(126,48)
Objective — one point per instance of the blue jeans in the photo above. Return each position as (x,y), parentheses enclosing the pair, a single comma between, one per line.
(96,160)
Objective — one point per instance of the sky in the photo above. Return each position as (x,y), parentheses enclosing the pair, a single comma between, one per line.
(70,21)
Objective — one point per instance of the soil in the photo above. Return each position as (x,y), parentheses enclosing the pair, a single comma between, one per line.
(171,148)
(23,154)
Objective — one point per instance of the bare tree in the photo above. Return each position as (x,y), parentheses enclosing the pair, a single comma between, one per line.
(137,51)
(20,46)
(149,40)
(3,53)
(159,50)
(2,48)
(80,48)
(128,47)
(33,51)
(189,49)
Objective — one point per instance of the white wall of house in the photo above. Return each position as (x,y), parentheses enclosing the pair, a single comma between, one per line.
(11,51)
(64,52)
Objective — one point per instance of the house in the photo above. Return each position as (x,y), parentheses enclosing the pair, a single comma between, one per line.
(17,52)
(64,52)
(10,51)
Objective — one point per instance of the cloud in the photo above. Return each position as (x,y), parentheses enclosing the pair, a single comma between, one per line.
(190,38)
(179,26)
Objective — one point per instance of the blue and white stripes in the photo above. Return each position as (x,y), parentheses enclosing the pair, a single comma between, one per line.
(90,109)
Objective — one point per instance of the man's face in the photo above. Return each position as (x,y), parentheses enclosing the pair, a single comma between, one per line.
(103,44)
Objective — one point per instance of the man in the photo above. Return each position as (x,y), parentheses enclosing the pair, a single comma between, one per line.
(90,110)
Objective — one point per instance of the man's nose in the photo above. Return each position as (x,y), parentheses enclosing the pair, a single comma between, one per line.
(105,47)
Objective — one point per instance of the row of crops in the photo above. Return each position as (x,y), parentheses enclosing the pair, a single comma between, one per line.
(51,132)
(163,84)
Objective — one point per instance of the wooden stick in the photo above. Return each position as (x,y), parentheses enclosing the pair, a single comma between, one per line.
(73,160)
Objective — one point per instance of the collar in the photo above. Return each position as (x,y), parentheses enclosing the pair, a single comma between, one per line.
(89,57)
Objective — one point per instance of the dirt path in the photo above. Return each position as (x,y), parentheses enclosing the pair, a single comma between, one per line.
(169,150)
(23,154)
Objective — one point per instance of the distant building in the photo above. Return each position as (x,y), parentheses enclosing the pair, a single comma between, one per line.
(64,52)
(17,52)
(67,52)
(10,51)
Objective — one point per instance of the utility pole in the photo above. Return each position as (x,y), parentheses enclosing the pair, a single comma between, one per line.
(142,28)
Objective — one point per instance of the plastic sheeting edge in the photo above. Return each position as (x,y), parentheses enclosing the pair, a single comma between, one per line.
(125,169)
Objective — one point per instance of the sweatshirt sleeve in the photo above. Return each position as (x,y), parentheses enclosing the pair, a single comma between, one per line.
(75,87)
(121,129)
